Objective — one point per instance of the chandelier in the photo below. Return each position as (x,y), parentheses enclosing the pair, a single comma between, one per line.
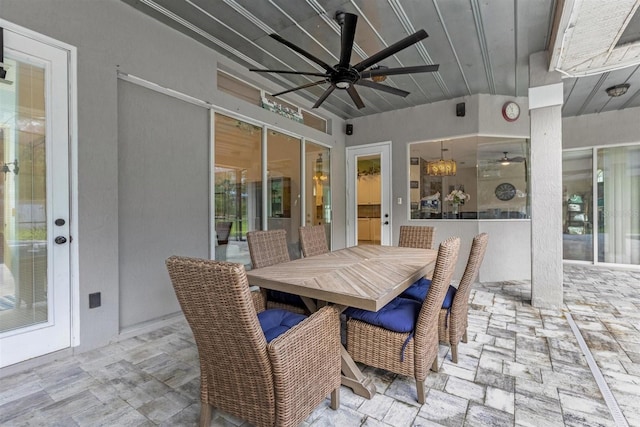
(319,175)
(442,167)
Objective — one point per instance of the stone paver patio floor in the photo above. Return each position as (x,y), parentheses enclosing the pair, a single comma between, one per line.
(522,366)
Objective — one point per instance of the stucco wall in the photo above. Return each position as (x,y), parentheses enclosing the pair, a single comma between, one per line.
(111,36)
(610,128)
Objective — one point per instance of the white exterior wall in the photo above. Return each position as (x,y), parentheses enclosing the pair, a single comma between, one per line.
(610,128)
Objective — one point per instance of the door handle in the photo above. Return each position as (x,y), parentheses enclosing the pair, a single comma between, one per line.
(60,240)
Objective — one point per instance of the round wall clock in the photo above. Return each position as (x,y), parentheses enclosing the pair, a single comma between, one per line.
(505,191)
(510,111)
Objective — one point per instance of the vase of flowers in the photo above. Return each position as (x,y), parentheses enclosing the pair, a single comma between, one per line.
(456,197)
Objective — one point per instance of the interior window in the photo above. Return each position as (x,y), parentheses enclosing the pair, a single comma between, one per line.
(469,178)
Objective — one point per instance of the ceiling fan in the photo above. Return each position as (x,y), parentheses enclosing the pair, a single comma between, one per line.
(505,160)
(345,76)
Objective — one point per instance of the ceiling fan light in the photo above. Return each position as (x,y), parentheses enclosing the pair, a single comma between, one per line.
(617,90)
(343,85)
(379,79)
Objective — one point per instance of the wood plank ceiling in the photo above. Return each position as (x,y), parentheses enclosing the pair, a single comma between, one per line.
(481,46)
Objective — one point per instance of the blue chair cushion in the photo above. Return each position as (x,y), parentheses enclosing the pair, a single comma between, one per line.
(285,298)
(400,315)
(275,322)
(418,291)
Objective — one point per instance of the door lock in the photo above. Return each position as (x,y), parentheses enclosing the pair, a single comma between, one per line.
(60,240)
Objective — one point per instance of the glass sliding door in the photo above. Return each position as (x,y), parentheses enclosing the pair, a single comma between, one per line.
(601,205)
(318,187)
(238,186)
(283,187)
(577,205)
(618,204)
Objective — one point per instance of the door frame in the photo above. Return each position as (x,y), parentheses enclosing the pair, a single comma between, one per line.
(384,150)
(72,99)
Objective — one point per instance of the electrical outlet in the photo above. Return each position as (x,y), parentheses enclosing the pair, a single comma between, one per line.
(94,300)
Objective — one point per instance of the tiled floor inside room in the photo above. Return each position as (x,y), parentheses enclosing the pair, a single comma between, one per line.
(522,366)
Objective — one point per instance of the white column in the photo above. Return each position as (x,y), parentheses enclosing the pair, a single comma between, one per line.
(545,103)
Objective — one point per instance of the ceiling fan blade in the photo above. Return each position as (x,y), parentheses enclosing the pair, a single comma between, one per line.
(304,73)
(348,25)
(391,50)
(400,70)
(300,87)
(384,88)
(324,96)
(353,93)
(302,52)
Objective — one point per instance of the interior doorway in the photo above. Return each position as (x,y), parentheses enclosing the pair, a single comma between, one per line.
(369,194)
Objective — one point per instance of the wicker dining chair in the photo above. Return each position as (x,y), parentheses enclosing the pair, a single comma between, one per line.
(416,236)
(276,381)
(313,240)
(408,353)
(452,323)
(269,247)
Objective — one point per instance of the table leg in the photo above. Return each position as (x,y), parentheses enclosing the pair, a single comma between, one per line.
(311,306)
(353,377)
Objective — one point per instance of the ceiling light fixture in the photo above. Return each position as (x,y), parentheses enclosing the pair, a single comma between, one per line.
(505,160)
(618,90)
(442,167)
(319,175)
(379,79)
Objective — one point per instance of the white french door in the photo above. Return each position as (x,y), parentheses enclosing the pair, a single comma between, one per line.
(35,303)
(379,212)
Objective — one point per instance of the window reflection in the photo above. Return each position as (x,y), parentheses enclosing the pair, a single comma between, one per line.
(490,179)
(238,181)
(618,195)
(318,187)
(284,189)
(577,204)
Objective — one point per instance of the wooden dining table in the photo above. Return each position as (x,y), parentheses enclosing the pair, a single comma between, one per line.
(366,276)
